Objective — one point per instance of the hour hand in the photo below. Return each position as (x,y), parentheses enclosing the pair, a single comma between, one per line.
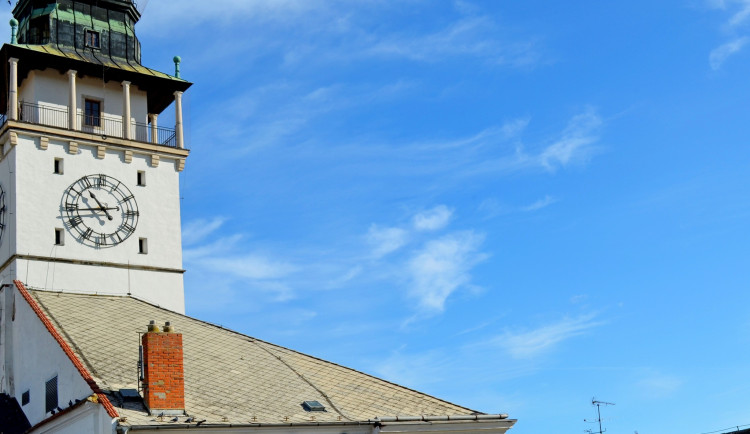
(101,207)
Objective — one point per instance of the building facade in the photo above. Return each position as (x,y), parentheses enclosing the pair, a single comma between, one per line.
(90,247)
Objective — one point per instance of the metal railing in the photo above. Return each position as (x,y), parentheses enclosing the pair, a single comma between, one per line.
(105,126)
(164,136)
(43,115)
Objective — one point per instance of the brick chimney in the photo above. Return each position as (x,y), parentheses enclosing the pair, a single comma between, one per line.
(163,377)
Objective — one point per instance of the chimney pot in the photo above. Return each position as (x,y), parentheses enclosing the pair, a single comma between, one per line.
(168,327)
(152,327)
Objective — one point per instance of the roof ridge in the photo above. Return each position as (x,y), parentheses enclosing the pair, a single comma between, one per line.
(102,398)
(256,340)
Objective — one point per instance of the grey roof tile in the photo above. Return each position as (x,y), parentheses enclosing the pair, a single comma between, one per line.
(229,377)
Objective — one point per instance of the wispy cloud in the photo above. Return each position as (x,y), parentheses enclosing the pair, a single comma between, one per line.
(442,266)
(197,230)
(734,27)
(433,219)
(539,204)
(575,141)
(385,240)
(723,52)
(528,344)
(658,385)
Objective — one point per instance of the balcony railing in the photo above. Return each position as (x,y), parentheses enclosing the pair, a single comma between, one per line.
(105,126)
(43,115)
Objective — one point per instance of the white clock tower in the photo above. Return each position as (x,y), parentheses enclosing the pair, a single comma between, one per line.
(89,198)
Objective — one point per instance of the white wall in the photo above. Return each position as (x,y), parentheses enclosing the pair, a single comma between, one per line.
(51,89)
(89,418)
(35,358)
(35,196)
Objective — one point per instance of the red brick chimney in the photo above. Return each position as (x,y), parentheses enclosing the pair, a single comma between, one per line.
(163,377)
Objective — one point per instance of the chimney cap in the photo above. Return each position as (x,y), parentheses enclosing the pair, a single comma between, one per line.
(152,327)
(168,328)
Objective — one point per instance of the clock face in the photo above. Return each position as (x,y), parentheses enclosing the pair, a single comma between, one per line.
(99,211)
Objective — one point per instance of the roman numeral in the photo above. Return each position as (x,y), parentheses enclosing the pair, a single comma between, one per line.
(88,233)
(75,221)
(128,229)
(119,239)
(102,240)
(86,183)
(131,213)
(101,180)
(125,199)
(70,206)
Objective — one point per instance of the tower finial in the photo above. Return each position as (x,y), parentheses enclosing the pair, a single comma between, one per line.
(177,60)
(13,31)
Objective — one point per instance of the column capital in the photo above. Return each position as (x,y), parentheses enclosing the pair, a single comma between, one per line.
(72,72)
(126,83)
(178,93)
(13,60)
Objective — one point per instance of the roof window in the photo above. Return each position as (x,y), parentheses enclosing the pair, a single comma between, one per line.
(313,406)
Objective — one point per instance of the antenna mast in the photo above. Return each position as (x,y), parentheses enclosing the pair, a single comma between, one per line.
(598,404)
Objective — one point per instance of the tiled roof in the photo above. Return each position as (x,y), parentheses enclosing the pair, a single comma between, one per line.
(229,377)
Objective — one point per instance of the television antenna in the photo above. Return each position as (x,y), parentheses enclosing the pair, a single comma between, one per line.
(598,405)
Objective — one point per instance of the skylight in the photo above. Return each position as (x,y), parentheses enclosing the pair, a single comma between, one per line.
(313,406)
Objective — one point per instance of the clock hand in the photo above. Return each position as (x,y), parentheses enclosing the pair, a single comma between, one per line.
(116,208)
(101,207)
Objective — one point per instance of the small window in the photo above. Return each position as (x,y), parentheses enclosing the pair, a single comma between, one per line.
(92,39)
(59,166)
(142,246)
(141,178)
(59,237)
(50,402)
(25,398)
(93,113)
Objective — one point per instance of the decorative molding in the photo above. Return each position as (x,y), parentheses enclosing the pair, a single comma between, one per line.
(94,263)
(128,156)
(72,147)
(43,143)
(154,160)
(13,138)
(100,151)
(180,164)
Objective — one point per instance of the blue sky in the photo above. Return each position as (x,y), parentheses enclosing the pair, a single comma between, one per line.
(514,206)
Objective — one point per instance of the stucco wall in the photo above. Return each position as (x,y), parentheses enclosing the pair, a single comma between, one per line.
(34,358)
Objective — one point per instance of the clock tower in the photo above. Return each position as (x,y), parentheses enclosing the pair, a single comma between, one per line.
(89,181)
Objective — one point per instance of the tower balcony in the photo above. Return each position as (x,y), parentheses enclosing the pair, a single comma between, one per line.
(101,125)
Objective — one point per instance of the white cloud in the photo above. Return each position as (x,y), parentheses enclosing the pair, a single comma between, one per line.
(386,240)
(532,343)
(539,204)
(574,142)
(723,52)
(196,230)
(443,266)
(433,219)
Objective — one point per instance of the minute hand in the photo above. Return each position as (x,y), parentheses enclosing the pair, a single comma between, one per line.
(101,207)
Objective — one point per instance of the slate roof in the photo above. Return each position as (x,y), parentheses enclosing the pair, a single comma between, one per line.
(229,377)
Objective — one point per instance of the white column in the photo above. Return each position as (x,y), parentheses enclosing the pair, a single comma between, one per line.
(178,120)
(126,126)
(152,117)
(13,90)
(72,99)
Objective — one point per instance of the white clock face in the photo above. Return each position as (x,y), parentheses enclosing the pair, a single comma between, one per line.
(99,211)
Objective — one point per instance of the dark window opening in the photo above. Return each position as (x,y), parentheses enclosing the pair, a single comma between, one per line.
(93,113)
(59,240)
(59,166)
(92,39)
(39,30)
(50,402)
(25,398)
(141,178)
(142,246)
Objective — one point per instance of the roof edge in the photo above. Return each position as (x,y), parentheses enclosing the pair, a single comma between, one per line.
(102,398)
